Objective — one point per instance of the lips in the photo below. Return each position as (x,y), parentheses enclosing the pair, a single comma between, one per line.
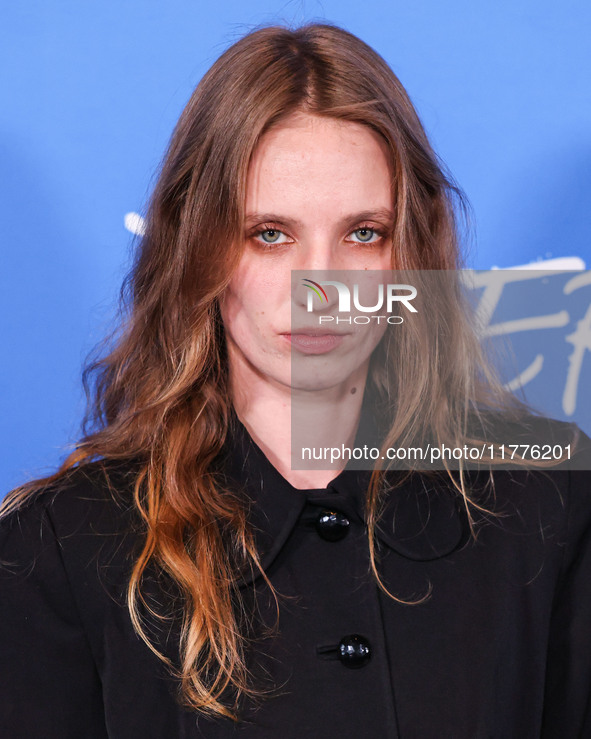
(315,341)
(315,331)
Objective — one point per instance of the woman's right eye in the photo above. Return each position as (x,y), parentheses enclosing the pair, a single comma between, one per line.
(271,236)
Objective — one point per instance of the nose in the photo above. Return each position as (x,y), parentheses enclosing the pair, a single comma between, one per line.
(317,255)
(318,261)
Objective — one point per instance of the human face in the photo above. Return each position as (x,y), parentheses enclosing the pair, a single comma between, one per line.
(318,197)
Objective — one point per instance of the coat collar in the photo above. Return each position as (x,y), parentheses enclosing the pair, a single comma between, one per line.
(421,517)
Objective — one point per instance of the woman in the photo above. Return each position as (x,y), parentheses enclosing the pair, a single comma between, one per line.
(179,575)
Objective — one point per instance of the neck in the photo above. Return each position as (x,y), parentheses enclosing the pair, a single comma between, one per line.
(270,410)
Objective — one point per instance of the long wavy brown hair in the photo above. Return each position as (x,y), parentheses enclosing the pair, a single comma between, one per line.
(160,395)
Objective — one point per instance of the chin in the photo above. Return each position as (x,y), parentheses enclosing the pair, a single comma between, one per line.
(313,381)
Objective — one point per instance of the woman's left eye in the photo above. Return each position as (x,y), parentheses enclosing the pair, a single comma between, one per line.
(365,235)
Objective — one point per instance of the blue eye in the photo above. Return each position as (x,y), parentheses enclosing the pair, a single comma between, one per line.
(365,235)
(270,235)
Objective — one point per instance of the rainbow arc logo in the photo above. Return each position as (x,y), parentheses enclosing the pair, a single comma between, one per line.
(317,288)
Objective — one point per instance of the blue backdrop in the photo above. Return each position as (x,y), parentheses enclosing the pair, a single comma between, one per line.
(91,92)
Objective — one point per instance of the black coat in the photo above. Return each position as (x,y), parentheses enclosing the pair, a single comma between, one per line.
(501,649)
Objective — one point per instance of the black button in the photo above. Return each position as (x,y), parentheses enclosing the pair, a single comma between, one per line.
(332,525)
(354,651)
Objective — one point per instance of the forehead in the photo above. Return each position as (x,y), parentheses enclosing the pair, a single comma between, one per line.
(309,161)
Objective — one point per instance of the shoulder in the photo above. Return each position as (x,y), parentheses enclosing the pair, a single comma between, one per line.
(91,505)
(62,588)
(551,505)
(522,426)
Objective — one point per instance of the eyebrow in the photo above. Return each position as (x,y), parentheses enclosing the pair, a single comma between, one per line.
(381,214)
